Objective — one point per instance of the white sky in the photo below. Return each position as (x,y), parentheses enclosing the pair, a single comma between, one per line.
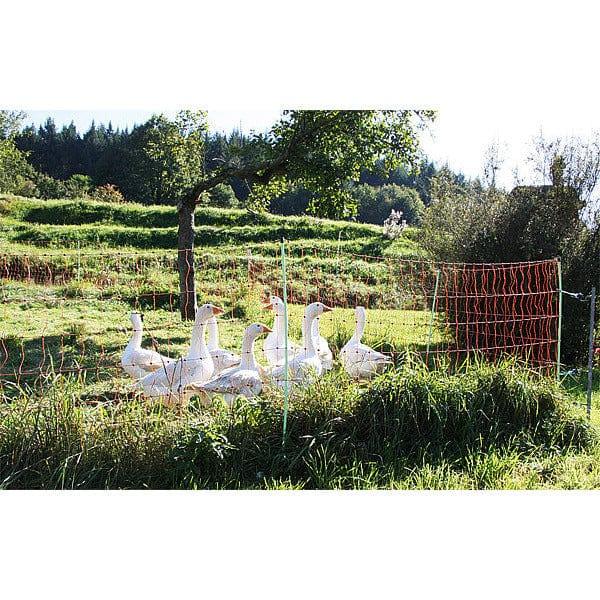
(460,136)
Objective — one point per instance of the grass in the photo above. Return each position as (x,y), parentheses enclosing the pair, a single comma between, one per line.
(68,224)
(490,427)
(72,271)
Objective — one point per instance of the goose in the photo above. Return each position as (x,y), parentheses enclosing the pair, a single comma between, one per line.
(274,344)
(137,361)
(322,346)
(306,366)
(243,380)
(360,360)
(222,359)
(171,384)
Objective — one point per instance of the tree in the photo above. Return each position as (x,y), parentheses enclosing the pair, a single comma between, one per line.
(579,162)
(165,156)
(15,172)
(320,150)
(10,123)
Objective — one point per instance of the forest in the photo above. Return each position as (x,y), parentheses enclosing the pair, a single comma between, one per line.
(155,161)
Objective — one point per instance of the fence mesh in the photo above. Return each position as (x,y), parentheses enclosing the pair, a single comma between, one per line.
(68,312)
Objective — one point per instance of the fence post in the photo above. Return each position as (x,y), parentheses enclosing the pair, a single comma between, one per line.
(591,352)
(432,317)
(286,384)
(560,298)
(78,261)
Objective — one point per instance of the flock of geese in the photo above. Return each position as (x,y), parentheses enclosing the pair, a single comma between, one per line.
(207,370)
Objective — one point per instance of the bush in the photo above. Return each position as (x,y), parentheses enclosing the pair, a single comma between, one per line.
(78,186)
(376,203)
(107,193)
(49,188)
(15,172)
(471,224)
(222,196)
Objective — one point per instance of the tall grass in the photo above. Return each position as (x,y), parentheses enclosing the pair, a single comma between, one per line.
(410,428)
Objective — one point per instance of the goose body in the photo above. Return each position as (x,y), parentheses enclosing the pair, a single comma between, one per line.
(306,366)
(274,344)
(242,380)
(222,359)
(172,383)
(359,360)
(137,361)
(322,347)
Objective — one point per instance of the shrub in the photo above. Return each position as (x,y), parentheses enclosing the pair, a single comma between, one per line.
(107,193)
(49,188)
(78,186)
(376,203)
(222,196)
(14,169)
(467,223)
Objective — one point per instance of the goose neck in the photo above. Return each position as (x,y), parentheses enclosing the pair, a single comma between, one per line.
(360,327)
(213,334)
(248,361)
(307,334)
(198,346)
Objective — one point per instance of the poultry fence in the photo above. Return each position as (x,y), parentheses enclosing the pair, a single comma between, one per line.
(68,312)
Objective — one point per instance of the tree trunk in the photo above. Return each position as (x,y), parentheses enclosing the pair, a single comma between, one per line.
(185,244)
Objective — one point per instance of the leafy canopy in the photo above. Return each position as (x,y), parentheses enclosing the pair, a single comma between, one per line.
(322,151)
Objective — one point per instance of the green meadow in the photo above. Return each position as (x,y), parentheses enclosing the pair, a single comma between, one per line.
(72,271)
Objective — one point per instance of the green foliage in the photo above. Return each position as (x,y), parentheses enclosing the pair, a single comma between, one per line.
(15,172)
(469,223)
(10,123)
(408,429)
(164,157)
(375,204)
(78,186)
(294,201)
(321,151)
(49,188)
(221,196)
(107,193)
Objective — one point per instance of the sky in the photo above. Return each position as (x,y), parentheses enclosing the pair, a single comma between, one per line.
(459,137)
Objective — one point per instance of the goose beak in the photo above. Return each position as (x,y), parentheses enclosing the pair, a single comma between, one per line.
(327,308)
(217,310)
(267,305)
(266,329)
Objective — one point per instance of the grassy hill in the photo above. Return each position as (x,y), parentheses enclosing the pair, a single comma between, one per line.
(70,223)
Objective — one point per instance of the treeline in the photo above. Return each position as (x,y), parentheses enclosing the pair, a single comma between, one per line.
(155,162)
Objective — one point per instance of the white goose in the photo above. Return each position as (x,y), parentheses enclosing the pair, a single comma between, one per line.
(222,359)
(322,346)
(360,360)
(138,361)
(274,344)
(171,384)
(306,366)
(243,380)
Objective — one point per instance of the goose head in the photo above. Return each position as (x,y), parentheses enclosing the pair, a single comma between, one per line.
(316,309)
(360,313)
(256,329)
(275,304)
(206,312)
(136,320)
